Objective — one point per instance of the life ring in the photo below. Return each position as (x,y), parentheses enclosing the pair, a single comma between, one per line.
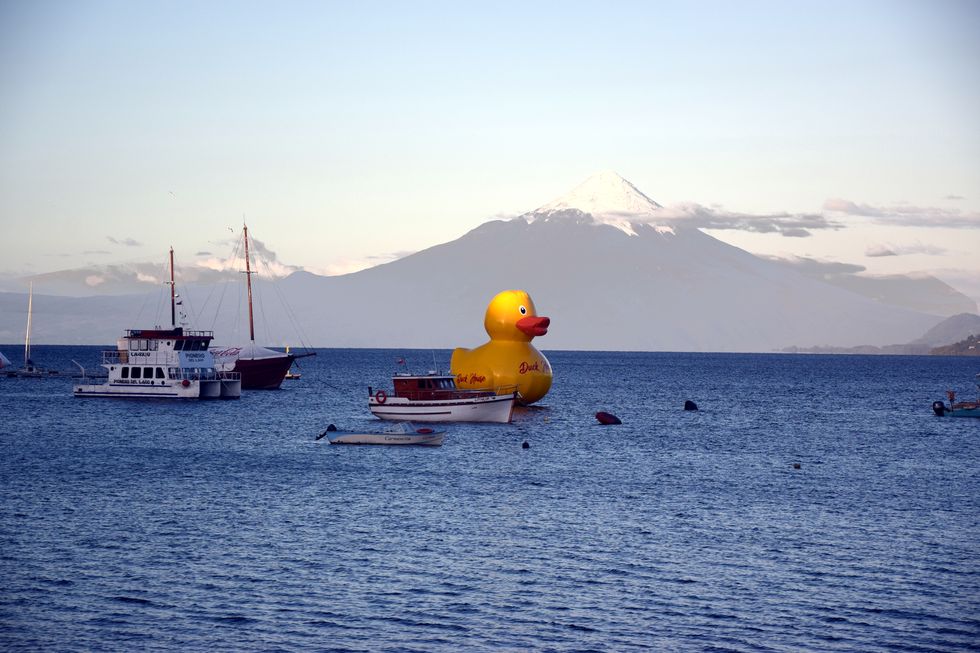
(185,383)
(381,396)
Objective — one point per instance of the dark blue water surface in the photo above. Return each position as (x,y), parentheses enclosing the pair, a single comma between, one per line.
(137,525)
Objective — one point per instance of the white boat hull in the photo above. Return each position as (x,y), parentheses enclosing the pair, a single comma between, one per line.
(418,439)
(165,390)
(494,408)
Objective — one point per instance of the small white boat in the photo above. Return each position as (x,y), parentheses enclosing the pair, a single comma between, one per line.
(435,398)
(403,433)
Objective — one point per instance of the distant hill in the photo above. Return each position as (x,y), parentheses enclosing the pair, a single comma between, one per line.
(949,334)
(612,268)
(969,346)
(951,330)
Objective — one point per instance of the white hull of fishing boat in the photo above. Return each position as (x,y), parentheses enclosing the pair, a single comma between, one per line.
(405,433)
(497,409)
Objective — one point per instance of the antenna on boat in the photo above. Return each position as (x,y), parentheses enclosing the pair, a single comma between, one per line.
(248,277)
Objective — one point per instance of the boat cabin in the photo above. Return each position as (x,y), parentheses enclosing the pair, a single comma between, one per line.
(432,387)
(150,356)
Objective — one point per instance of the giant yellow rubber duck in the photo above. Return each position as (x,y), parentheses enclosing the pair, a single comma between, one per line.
(509,359)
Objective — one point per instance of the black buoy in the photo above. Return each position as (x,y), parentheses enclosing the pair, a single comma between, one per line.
(607,418)
(525,445)
(939,408)
(690,405)
(796,465)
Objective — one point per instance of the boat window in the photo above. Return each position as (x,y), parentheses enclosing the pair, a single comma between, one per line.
(136,372)
(142,345)
(125,372)
(178,345)
(154,345)
(147,372)
(172,371)
(160,373)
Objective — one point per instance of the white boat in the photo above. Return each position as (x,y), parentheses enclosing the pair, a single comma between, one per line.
(434,397)
(404,433)
(163,364)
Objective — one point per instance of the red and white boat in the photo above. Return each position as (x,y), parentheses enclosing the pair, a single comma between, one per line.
(260,368)
(434,397)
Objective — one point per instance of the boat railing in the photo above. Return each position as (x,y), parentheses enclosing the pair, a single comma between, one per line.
(230,376)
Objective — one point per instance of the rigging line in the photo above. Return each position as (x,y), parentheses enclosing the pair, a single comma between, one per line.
(146,298)
(261,302)
(190,313)
(224,285)
(294,320)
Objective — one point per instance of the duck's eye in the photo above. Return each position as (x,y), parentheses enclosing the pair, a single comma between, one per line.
(523,311)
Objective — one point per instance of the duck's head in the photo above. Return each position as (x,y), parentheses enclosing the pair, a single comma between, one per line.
(511,316)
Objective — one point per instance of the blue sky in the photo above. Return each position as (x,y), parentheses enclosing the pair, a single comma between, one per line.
(349,132)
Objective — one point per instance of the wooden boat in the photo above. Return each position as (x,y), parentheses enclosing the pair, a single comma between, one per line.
(958,408)
(403,433)
(434,397)
(260,368)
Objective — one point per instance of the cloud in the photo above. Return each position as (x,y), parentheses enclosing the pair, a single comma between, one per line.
(203,254)
(876,251)
(349,266)
(817,267)
(94,280)
(92,252)
(128,242)
(905,215)
(790,225)
(264,262)
(954,197)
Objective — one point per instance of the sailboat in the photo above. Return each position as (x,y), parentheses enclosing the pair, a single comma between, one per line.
(30,370)
(260,368)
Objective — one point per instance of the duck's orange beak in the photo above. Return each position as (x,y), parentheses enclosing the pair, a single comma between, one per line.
(534,326)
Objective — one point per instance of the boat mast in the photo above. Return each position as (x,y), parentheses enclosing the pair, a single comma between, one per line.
(173,293)
(27,336)
(248,278)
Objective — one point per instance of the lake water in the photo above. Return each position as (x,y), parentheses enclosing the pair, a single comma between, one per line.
(137,525)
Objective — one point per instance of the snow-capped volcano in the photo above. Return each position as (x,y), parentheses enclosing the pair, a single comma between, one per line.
(608,199)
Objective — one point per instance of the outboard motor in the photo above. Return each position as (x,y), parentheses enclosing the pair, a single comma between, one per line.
(939,408)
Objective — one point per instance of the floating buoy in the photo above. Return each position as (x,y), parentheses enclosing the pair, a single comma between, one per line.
(525,445)
(607,418)
(796,465)
(690,405)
